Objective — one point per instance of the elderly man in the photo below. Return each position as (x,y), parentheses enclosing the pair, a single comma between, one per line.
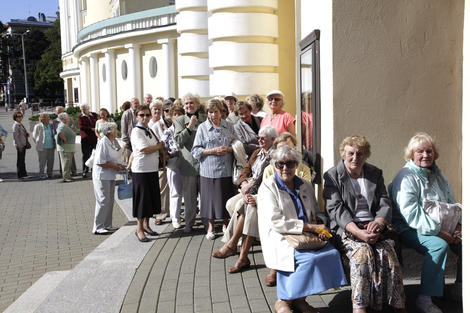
(185,132)
(128,121)
(86,123)
(247,127)
(230,102)
(242,207)
(148,99)
(60,109)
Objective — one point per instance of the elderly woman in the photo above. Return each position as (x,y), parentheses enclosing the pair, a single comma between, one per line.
(247,127)
(86,123)
(280,119)
(43,136)
(105,166)
(242,207)
(20,138)
(146,190)
(104,118)
(419,180)
(172,170)
(65,145)
(212,148)
(256,102)
(289,207)
(158,126)
(360,210)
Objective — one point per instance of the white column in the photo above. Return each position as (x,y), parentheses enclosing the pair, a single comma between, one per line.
(94,82)
(168,46)
(134,73)
(63,9)
(84,67)
(110,64)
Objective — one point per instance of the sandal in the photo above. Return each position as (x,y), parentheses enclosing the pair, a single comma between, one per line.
(239,266)
(302,305)
(282,306)
(223,255)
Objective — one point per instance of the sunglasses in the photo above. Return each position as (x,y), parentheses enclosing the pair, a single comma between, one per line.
(289,164)
(145,115)
(166,110)
(275,99)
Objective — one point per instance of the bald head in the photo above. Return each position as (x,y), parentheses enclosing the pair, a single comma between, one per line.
(134,103)
(59,109)
(148,99)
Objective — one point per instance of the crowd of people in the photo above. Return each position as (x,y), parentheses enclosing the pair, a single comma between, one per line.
(243,166)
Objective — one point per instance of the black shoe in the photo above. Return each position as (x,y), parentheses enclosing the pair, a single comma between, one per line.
(150,233)
(145,239)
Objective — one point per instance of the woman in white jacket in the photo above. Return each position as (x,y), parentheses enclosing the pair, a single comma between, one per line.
(289,207)
(45,144)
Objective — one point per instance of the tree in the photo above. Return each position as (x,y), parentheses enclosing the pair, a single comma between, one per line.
(47,82)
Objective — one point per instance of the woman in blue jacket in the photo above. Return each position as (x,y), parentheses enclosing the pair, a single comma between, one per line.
(421,179)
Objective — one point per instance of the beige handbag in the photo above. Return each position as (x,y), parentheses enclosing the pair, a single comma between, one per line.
(305,241)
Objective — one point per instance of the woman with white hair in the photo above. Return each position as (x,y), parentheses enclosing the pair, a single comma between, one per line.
(86,123)
(65,145)
(418,182)
(105,165)
(289,208)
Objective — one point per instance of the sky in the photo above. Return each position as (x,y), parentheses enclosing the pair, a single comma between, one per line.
(21,9)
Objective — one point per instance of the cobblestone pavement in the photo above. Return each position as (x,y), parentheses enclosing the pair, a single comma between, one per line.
(46,224)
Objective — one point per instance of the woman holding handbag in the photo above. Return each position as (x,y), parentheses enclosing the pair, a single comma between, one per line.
(43,136)
(290,208)
(20,137)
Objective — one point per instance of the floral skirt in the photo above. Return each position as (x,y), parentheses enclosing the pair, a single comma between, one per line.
(376,276)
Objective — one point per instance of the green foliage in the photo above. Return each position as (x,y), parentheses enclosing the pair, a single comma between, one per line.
(48,83)
(35,118)
(116,117)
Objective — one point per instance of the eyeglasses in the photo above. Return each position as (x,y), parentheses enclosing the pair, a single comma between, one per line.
(275,99)
(166,110)
(289,164)
(262,138)
(145,115)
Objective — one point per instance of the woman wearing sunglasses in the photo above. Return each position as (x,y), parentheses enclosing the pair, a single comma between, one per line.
(360,210)
(146,190)
(289,207)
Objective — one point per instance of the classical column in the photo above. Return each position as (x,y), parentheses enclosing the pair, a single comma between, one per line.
(94,82)
(134,73)
(110,85)
(168,46)
(84,67)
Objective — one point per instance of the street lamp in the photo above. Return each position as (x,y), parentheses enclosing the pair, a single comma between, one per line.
(24,66)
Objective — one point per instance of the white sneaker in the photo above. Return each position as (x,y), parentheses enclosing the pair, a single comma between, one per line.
(224,228)
(210,236)
(425,305)
(176,224)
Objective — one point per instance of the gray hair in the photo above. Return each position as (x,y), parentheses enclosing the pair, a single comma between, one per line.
(63,117)
(194,97)
(108,127)
(285,152)
(84,106)
(269,131)
(156,102)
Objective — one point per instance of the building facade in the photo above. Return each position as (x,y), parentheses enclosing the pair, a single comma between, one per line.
(382,69)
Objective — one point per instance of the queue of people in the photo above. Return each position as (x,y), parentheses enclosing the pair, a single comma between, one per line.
(179,149)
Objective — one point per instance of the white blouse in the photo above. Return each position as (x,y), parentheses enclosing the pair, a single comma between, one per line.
(143,163)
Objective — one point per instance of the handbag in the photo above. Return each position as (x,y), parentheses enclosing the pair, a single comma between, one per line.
(28,145)
(125,190)
(447,214)
(89,162)
(305,241)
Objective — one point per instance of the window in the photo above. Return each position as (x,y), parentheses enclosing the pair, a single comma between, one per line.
(103,72)
(153,67)
(310,102)
(124,69)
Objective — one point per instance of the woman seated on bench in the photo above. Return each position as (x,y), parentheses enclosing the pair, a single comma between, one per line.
(359,209)
(420,179)
(288,207)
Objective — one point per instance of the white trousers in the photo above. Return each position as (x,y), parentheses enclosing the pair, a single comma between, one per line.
(104,194)
(164,195)
(176,192)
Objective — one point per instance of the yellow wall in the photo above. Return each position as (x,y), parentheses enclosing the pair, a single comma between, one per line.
(287,51)
(397,69)
(141,5)
(97,10)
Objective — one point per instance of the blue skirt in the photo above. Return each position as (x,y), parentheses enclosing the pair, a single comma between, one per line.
(315,272)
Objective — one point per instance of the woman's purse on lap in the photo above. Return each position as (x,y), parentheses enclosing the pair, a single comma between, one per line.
(125,190)
(447,214)
(305,241)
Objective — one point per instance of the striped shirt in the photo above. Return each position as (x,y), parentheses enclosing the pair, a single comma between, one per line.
(207,137)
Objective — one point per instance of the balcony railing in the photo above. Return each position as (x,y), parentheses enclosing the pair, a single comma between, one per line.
(153,18)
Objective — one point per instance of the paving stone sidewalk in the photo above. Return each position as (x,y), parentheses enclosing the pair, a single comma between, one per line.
(45,225)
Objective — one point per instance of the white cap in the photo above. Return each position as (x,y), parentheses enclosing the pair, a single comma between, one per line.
(275,92)
(231,96)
